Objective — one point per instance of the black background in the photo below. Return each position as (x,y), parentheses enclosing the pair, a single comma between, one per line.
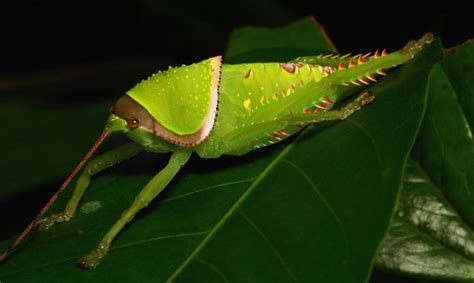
(40,35)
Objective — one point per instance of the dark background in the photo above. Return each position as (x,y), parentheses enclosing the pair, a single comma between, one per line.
(86,46)
(40,35)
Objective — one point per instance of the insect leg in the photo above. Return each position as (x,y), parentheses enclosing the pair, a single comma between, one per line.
(245,139)
(349,60)
(332,60)
(148,193)
(339,114)
(95,166)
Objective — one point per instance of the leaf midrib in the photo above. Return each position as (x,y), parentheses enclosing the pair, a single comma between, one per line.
(235,207)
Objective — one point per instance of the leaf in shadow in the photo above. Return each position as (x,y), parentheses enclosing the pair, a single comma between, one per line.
(427,237)
(437,213)
(261,44)
(445,147)
(52,118)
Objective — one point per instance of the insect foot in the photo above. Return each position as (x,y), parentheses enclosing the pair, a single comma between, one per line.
(362,100)
(415,46)
(92,259)
(366,98)
(48,222)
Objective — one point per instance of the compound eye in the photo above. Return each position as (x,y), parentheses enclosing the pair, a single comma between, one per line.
(133,123)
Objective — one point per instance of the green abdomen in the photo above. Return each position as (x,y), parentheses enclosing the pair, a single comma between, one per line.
(250,94)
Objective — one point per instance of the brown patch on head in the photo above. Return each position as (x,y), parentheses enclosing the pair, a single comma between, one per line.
(137,116)
(132,112)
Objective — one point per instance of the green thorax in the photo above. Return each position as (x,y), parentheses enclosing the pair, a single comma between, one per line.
(182,99)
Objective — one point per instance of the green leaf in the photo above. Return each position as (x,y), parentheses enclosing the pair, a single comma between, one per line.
(40,140)
(445,147)
(427,237)
(436,215)
(53,118)
(313,209)
(251,44)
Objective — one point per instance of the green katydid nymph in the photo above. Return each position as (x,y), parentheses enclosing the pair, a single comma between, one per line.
(215,109)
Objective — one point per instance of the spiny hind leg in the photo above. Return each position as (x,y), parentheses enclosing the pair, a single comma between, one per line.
(149,192)
(269,132)
(338,60)
(95,166)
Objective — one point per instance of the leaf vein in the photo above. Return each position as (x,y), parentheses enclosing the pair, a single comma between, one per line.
(172,236)
(265,238)
(213,268)
(112,248)
(324,200)
(369,136)
(208,188)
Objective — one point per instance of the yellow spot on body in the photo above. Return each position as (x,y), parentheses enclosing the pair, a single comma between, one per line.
(262,99)
(248,104)
(196,97)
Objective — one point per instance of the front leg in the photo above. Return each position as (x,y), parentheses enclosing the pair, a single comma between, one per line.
(95,166)
(149,192)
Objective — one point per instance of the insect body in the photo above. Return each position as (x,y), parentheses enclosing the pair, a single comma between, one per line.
(214,109)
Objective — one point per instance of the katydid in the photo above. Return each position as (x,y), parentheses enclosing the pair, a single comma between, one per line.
(215,109)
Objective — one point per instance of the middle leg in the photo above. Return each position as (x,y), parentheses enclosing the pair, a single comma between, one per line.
(95,166)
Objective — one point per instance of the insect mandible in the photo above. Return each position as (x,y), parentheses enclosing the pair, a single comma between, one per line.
(215,109)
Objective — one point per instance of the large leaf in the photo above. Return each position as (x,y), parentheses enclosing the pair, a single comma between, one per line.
(312,209)
(432,235)
(445,146)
